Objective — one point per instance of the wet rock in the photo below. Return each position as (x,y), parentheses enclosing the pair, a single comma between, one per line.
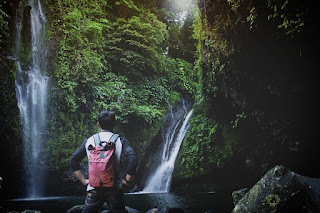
(154,210)
(76,209)
(238,195)
(279,171)
(131,210)
(79,208)
(281,190)
(173,210)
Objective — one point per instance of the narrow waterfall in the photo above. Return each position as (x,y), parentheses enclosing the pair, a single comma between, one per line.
(160,180)
(32,91)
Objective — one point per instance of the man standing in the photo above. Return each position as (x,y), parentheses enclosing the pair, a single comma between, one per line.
(123,171)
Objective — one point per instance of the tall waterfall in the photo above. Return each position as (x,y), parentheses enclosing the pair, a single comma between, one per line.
(32,91)
(160,180)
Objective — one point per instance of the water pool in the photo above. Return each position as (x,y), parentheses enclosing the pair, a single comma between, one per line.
(195,202)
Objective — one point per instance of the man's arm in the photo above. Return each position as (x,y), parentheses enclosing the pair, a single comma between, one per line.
(79,175)
(131,157)
(75,160)
(127,180)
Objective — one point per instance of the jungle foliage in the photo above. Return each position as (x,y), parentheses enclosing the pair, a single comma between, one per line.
(3,25)
(240,62)
(9,111)
(249,63)
(107,59)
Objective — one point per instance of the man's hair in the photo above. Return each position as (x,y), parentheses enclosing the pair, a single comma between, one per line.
(107,119)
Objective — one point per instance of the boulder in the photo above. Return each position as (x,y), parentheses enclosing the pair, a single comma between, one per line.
(154,210)
(174,210)
(131,210)
(165,210)
(76,209)
(79,208)
(281,190)
(238,195)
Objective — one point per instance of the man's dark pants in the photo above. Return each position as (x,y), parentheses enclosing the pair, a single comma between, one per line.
(97,197)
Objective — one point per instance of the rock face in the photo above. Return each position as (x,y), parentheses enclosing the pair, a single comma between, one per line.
(76,209)
(79,208)
(281,190)
(238,195)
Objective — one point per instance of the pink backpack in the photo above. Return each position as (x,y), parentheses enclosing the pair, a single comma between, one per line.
(102,159)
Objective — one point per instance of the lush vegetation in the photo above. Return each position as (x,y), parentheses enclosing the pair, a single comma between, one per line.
(117,61)
(240,62)
(3,25)
(9,117)
(253,93)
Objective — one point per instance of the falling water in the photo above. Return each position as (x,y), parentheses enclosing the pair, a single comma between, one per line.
(32,92)
(160,180)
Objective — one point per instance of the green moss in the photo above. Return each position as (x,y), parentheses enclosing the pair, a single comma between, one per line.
(25,53)
(208,145)
(272,200)
(254,193)
(174,97)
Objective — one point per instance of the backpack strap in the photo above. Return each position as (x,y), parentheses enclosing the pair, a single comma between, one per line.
(118,143)
(96,138)
(113,138)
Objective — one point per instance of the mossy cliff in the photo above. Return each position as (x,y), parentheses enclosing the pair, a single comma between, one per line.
(257,102)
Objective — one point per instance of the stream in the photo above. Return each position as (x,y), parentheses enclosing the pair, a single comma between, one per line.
(193,202)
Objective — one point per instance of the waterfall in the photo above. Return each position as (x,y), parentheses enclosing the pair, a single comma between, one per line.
(32,92)
(160,180)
